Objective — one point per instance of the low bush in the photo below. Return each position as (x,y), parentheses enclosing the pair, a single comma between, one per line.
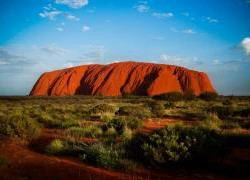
(135,111)
(222,111)
(110,132)
(169,105)
(227,102)
(19,125)
(211,121)
(119,123)
(176,144)
(230,125)
(208,96)
(107,156)
(46,120)
(102,108)
(127,134)
(55,147)
(171,96)
(87,131)
(242,112)
(157,109)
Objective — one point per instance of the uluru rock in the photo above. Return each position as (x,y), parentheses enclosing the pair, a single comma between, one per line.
(121,78)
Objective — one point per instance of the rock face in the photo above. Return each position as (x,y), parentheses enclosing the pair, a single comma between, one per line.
(121,78)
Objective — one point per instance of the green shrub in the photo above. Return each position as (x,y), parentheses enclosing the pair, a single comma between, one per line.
(135,111)
(157,108)
(169,105)
(46,120)
(55,147)
(230,125)
(110,132)
(18,125)
(222,111)
(102,108)
(171,96)
(242,112)
(104,156)
(106,118)
(175,144)
(119,123)
(208,96)
(87,131)
(68,124)
(127,134)
(227,102)
(212,121)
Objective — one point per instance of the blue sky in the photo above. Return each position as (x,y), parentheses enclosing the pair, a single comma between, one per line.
(205,35)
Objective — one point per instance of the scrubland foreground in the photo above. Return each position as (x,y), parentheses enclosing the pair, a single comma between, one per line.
(131,137)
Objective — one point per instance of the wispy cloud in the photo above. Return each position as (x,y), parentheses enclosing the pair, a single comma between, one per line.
(162,15)
(142,6)
(216,62)
(190,62)
(75,4)
(171,59)
(85,28)
(9,59)
(189,31)
(53,49)
(212,20)
(71,17)
(245,44)
(50,14)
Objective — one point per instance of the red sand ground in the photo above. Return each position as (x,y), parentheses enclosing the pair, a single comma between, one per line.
(122,78)
(29,163)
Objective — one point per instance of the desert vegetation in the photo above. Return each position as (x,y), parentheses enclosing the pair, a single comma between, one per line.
(123,133)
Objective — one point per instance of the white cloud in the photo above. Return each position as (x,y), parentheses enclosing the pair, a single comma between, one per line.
(50,14)
(245,44)
(190,62)
(189,31)
(142,7)
(76,4)
(72,17)
(212,20)
(59,29)
(85,28)
(68,65)
(216,62)
(162,15)
(171,59)
(53,49)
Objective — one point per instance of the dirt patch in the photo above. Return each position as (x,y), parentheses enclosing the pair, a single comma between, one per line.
(153,124)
